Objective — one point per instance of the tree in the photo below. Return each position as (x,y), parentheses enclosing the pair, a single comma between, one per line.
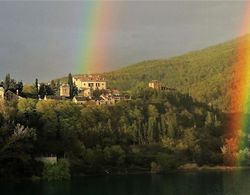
(19,87)
(58,171)
(229,151)
(29,90)
(7,82)
(209,119)
(153,130)
(37,85)
(71,85)
(97,93)
(26,105)
(49,90)
(53,84)
(54,87)
(172,124)
(42,90)
(15,150)
(74,90)
(167,161)
(114,155)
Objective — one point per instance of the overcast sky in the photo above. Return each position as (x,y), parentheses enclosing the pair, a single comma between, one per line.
(40,39)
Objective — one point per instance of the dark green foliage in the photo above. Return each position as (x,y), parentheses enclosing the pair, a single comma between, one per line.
(16,146)
(7,82)
(71,85)
(55,87)
(167,162)
(114,155)
(74,90)
(128,135)
(58,171)
(11,84)
(97,93)
(36,85)
(19,87)
(44,90)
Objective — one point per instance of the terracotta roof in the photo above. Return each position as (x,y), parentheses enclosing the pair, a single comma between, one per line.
(86,78)
(65,85)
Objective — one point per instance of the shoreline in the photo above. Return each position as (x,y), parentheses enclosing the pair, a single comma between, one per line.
(182,169)
(206,168)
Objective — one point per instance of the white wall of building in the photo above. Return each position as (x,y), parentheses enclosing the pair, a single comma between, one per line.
(90,84)
(1,93)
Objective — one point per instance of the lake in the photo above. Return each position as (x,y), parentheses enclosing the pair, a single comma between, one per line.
(193,183)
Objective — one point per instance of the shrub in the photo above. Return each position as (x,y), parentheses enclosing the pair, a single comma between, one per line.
(114,154)
(155,168)
(167,162)
(57,171)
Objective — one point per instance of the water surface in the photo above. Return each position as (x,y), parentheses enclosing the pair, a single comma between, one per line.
(211,183)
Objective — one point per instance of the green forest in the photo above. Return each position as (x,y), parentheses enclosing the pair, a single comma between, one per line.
(205,74)
(156,131)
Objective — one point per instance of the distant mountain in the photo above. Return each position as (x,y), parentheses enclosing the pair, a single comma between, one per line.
(205,74)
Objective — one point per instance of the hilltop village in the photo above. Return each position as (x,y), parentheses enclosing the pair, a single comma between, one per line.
(79,89)
(89,88)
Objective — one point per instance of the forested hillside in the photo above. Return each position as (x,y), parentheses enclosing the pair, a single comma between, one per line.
(155,130)
(205,74)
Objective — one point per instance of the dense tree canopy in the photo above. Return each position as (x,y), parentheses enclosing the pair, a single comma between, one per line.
(152,127)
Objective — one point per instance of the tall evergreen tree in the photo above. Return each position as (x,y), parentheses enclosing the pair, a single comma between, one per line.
(7,82)
(71,85)
(42,90)
(74,90)
(53,84)
(37,85)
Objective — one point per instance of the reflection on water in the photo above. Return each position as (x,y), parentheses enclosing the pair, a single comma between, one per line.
(211,183)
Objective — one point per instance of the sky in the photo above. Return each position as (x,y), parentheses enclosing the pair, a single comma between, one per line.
(43,39)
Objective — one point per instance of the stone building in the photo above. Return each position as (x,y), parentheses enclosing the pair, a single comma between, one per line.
(94,82)
(1,93)
(65,90)
(155,84)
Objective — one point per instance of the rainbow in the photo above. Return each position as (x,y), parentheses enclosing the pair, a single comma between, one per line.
(98,20)
(240,93)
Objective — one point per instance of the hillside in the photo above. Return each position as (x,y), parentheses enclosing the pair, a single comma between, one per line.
(166,129)
(205,74)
